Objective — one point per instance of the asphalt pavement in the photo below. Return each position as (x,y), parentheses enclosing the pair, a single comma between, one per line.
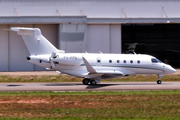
(78,86)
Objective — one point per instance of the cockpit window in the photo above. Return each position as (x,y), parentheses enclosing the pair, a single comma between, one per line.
(159,61)
(153,60)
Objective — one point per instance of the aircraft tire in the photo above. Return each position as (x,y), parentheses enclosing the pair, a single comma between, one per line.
(85,81)
(93,82)
(159,81)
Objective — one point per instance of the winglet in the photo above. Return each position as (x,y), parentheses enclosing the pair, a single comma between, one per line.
(88,66)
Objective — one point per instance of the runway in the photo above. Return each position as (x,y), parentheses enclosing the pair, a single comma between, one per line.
(78,86)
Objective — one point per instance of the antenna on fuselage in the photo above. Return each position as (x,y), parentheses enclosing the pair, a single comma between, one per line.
(100,52)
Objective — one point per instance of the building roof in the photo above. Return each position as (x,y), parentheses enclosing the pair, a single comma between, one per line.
(95,11)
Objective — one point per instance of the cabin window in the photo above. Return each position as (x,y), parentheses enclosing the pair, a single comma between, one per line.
(138,62)
(153,60)
(98,61)
(118,61)
(110,61)
(131,61)
(124,61)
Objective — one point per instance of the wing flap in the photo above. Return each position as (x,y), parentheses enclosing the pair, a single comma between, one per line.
(110,72)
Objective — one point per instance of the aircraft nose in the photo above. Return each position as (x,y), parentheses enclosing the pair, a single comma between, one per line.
(169,69)
(173,70)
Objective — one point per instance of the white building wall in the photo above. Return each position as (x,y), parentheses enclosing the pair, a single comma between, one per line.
(92,8)
(104,38)
(4,49)
(98,38)
(72,37)
(78,38)
(115,39)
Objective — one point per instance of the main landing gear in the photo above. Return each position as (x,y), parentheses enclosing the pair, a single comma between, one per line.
(86,81)
(159,79)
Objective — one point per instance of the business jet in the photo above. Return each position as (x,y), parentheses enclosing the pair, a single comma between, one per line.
(92,67)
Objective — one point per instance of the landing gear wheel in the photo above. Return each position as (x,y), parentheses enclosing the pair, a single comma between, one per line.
(93,82)
(85,81)
(159,81)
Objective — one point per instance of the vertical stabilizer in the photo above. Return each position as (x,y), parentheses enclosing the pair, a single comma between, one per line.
(35,42)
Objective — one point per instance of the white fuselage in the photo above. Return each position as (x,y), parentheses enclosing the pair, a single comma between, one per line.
(128,64)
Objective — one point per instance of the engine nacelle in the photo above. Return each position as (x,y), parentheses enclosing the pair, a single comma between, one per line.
(57,59)
(38,58)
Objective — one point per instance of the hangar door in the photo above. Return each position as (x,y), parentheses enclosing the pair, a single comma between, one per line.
(159,40)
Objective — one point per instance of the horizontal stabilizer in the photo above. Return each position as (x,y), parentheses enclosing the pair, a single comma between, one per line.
(24,31)
(36,43)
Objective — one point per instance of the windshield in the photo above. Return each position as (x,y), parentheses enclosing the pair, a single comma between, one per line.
(155,60)
(158,60)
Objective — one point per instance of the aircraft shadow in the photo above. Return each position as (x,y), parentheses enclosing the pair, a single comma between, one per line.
(98,85)
(91,86)
(88,86)
(62,84)
(13,85)
(106,85)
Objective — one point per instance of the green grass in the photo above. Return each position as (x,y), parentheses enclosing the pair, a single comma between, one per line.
(66,78)
(109,105)
(51,93)
(60,78)
(89,105)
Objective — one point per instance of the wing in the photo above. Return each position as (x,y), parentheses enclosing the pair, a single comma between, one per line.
(103,74)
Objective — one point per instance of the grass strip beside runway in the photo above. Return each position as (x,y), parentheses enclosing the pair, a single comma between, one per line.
(90,105)
(66,78)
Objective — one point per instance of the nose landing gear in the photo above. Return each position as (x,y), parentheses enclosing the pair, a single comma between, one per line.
(159,79)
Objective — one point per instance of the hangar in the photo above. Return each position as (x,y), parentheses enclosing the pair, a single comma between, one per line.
(92,26)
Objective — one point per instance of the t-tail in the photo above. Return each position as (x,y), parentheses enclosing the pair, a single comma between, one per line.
(35,42)
(42,52)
